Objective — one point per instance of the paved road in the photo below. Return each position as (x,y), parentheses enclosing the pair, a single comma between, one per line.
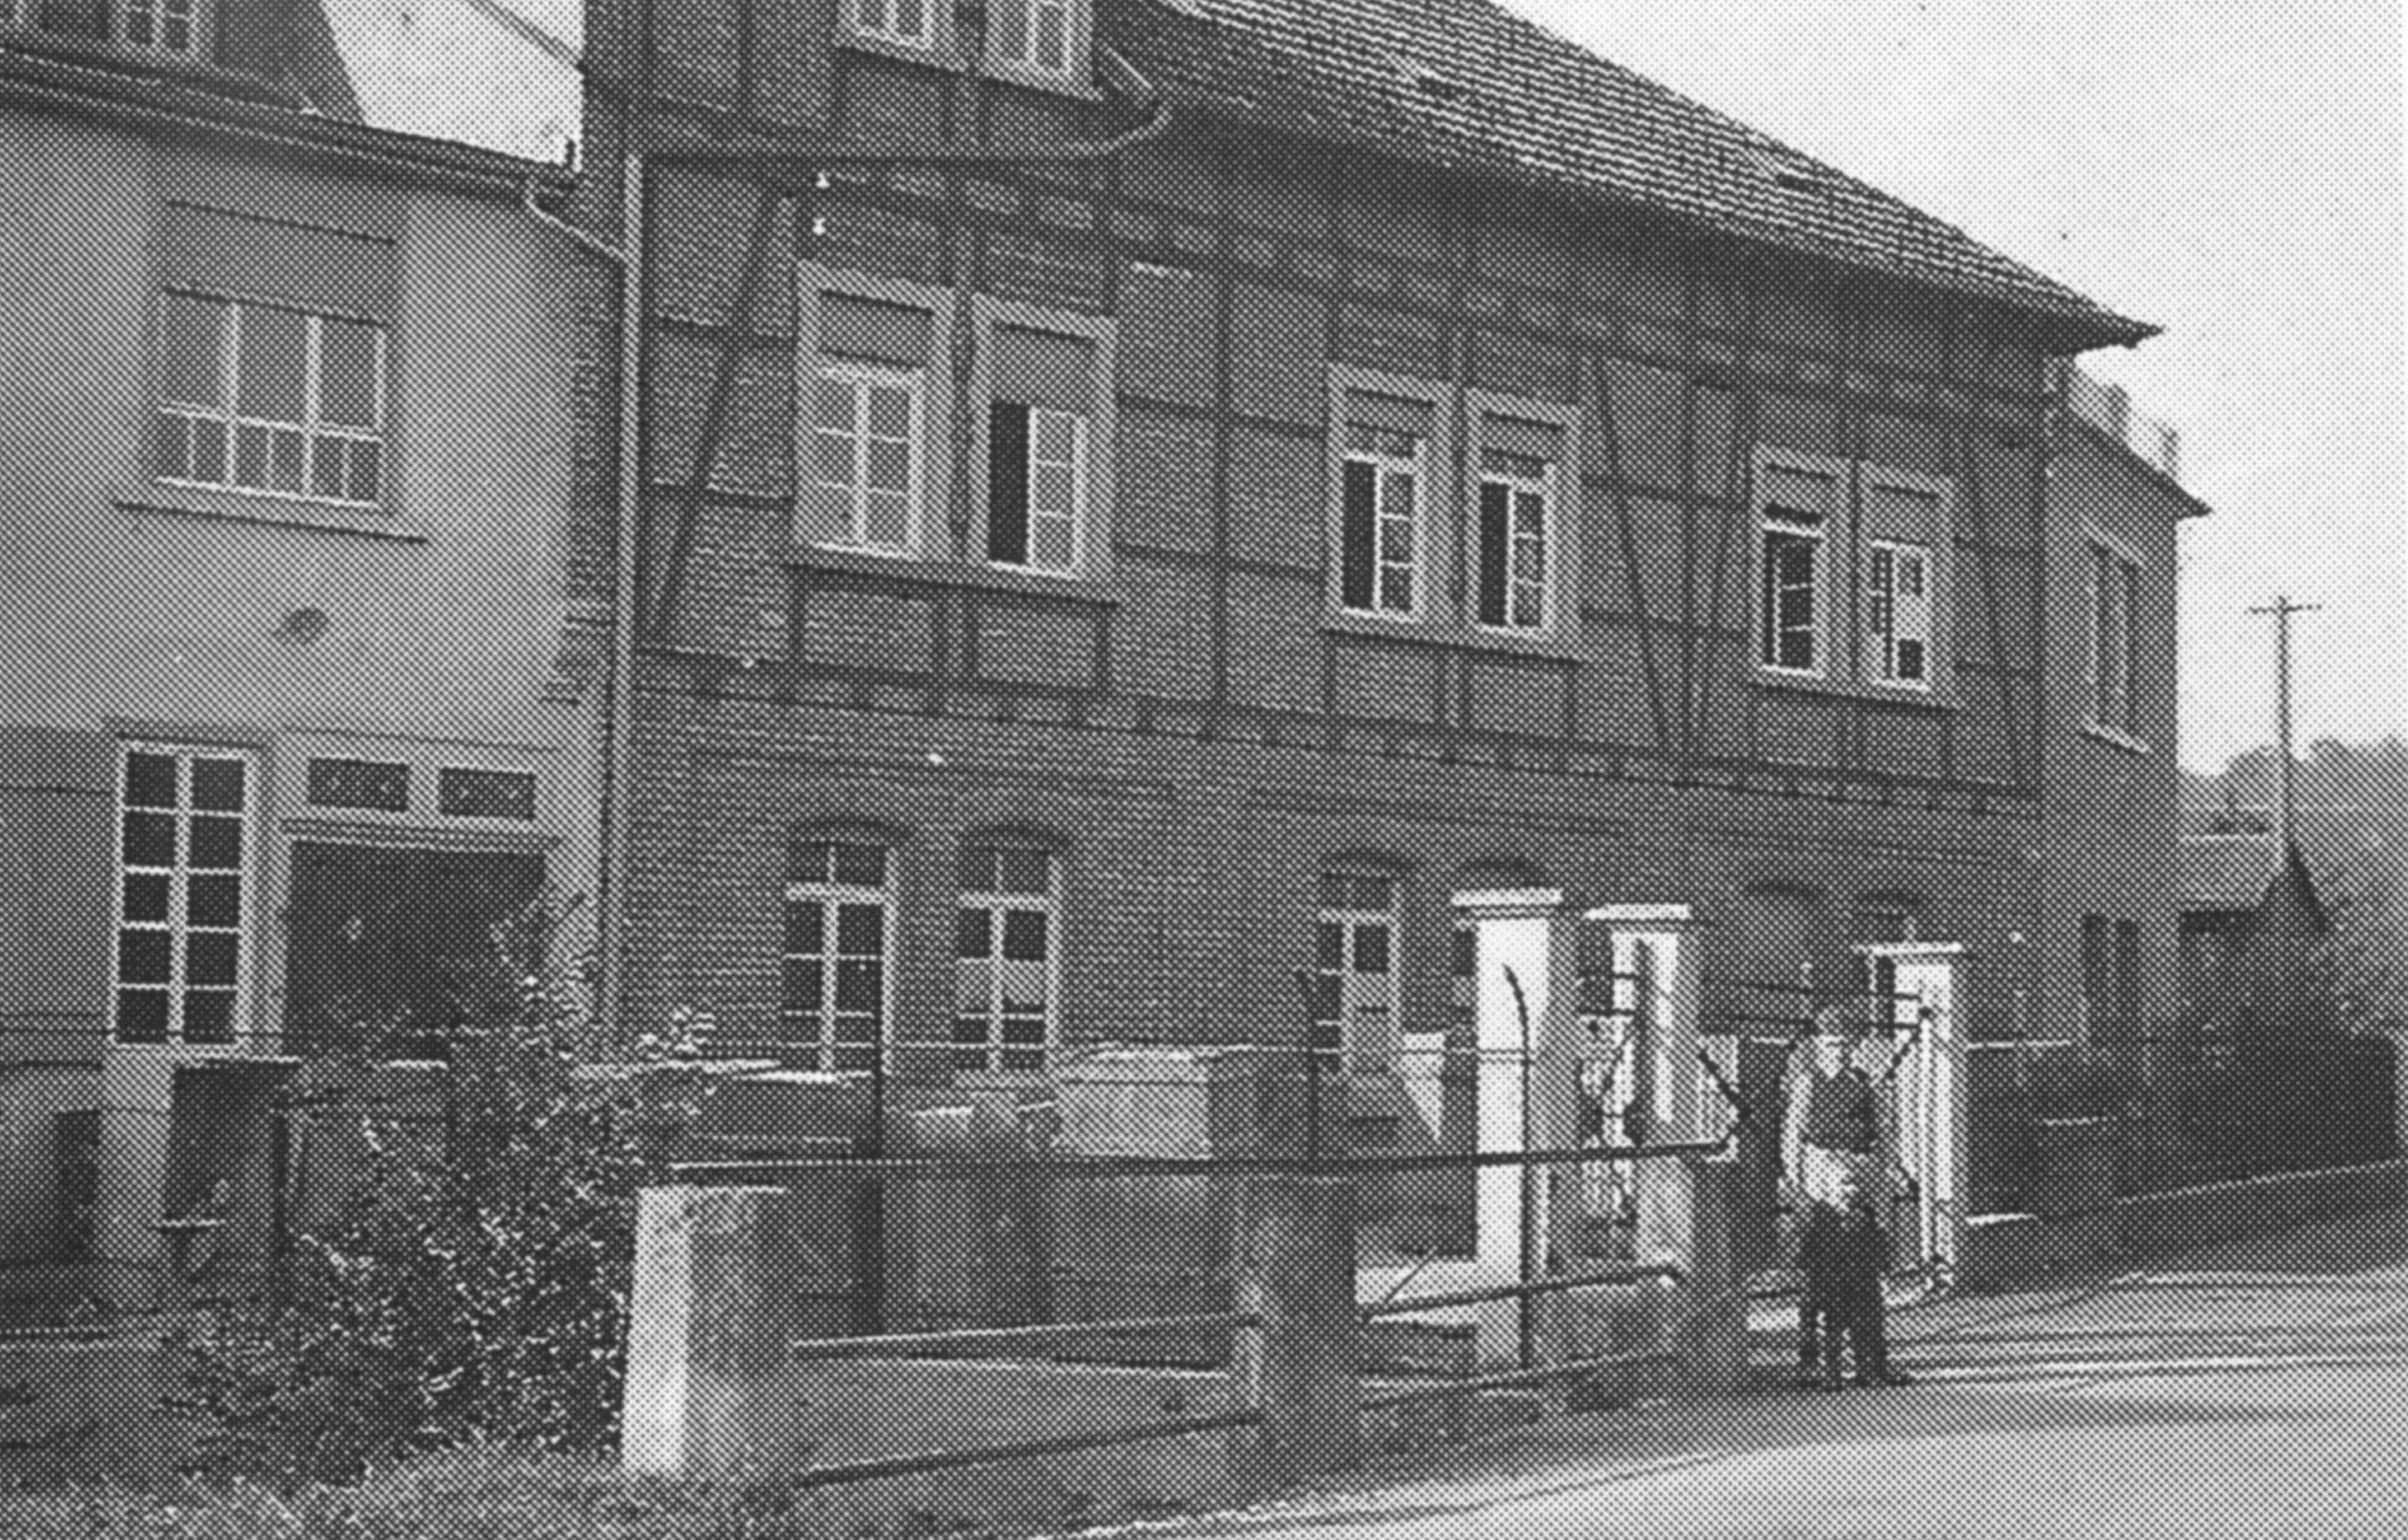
(2258,1391)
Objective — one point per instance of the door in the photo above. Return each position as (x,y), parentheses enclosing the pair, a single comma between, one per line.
(389,949)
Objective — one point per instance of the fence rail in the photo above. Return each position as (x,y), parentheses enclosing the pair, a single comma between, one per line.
(1490,1294)
(1099,1166)
(913,1343)
(1036,1449)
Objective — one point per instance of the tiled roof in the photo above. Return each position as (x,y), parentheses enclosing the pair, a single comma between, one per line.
(1464,84)
(2231,874)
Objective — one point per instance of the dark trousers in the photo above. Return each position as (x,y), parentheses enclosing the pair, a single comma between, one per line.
(1843,1254)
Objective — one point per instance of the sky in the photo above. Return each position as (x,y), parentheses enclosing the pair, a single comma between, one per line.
(2230,172)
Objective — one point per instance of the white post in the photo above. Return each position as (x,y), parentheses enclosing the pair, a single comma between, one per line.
(1529,1084)
(1671,1081)
(1933,1090)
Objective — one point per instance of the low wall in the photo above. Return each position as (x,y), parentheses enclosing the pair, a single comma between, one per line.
(2005,1249)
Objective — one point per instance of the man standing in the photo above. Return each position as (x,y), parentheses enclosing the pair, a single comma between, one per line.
(1836,1147)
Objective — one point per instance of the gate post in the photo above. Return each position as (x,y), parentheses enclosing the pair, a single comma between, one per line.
(1528,1087)
(1932,1093)
(1685,1219)
(1295,1268)
(711,1328)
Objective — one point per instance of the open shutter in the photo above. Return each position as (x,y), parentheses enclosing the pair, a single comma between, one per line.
(1008,483)
(1496,550)
(1357,516)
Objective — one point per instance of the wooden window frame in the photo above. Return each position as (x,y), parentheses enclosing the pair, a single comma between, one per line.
(933,38)
(936,397)
(314,431)
(2107,561)
(1437,479)
(1887,599)
(156,17)
(828,1049)
(860,379)
(995,1053)
(1097,487)
(1078,19)
(176,922)
(1516,484)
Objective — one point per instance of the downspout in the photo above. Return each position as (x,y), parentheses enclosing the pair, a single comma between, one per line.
(619,703)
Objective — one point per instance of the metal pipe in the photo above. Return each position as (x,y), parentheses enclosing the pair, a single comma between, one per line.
(1511,1381)
(1029,1449)
(618,732)
(1423,1303)
(563,228)
(1099,1166)
(905,1344)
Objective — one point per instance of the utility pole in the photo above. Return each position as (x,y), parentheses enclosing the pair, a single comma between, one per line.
(2283,610)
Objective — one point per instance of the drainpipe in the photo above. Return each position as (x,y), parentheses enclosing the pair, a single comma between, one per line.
(611,911)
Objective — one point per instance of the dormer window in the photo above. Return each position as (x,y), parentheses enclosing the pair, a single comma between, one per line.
(910,23)
(171,27)
(1033,35)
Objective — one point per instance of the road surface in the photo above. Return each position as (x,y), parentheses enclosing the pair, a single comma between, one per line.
(2259,1390)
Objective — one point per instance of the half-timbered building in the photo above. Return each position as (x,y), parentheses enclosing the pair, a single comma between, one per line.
(1119,503)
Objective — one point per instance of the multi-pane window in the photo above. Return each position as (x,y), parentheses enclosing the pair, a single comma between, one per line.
(1007,950)
(2114,589)
(1037,486)
(1898,613)
(903,21)
(1790,624)
(1380,516)
(18,14)
(264,398)
(1355,961)
(838,965)
(165,26)
(1035,34)
(1513,536)
(184,828)
(865,436)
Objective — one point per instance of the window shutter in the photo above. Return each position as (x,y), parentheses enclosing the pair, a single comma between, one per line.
(1496,550)
(1008,483)
(1355,535)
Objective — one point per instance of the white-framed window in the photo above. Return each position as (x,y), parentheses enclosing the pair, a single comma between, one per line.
(1354,958)
(1800,508)
(1007,960)
(1035,35)
(1898,614)
(1516,558)
(1037,487)
(837,991)
(2114,595)
(1381,477)
(865,436)
(264,398)
(162,26)
(910,22)
(185,893)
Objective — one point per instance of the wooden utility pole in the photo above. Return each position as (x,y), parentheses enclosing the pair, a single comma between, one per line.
(2283,610)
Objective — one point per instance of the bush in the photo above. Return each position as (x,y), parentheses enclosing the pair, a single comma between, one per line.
(474,1285)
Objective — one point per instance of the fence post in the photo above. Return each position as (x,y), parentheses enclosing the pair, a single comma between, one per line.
(1714,1337)
(1295,1268)
(1935,972)
(711,1327)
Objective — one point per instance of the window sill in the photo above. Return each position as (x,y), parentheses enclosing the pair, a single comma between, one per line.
(2114,739)
(1932,699)
(1075,83)
(935,54)
(945,572)
(268,508)
(1554,647)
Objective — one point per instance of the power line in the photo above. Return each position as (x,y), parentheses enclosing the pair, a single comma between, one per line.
(2283,610)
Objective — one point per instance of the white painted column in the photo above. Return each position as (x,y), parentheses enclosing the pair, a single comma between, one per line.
(1528,1083)
(1932,1092)
(1676,1087)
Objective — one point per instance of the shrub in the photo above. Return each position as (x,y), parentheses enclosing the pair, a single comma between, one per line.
(474,1285)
